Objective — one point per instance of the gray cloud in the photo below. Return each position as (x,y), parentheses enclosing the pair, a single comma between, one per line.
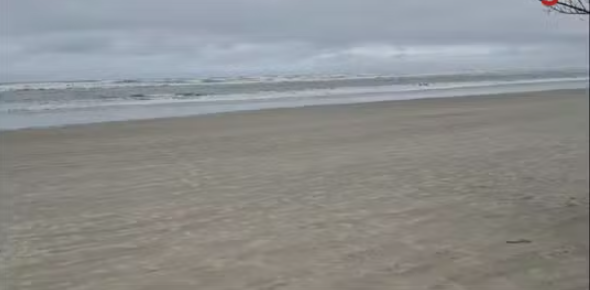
(153,38)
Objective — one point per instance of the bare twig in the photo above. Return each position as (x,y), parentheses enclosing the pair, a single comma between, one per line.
(577,7)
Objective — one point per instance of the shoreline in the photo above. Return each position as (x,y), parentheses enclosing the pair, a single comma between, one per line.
(279,107)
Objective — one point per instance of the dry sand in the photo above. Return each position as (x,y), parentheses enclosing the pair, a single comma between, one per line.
(466,193)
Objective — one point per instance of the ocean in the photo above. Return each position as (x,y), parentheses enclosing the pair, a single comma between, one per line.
(34,105)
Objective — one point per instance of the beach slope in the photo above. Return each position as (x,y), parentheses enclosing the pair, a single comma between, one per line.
(481,193)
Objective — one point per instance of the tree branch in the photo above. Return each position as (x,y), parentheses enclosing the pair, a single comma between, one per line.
(570,7)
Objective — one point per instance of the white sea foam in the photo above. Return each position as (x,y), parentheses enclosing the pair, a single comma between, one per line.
(39,113)
(130,83)
(107,84)
(170,98)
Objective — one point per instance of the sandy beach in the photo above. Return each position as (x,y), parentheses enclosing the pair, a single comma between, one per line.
(471,193)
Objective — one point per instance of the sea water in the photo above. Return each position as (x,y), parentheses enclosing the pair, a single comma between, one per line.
(34,105)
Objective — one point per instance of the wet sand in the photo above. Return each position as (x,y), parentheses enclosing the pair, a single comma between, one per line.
(471,193)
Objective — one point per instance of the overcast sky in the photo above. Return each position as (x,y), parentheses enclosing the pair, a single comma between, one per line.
(89,39)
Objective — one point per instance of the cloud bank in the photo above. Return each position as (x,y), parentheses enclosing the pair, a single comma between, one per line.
(73,39)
